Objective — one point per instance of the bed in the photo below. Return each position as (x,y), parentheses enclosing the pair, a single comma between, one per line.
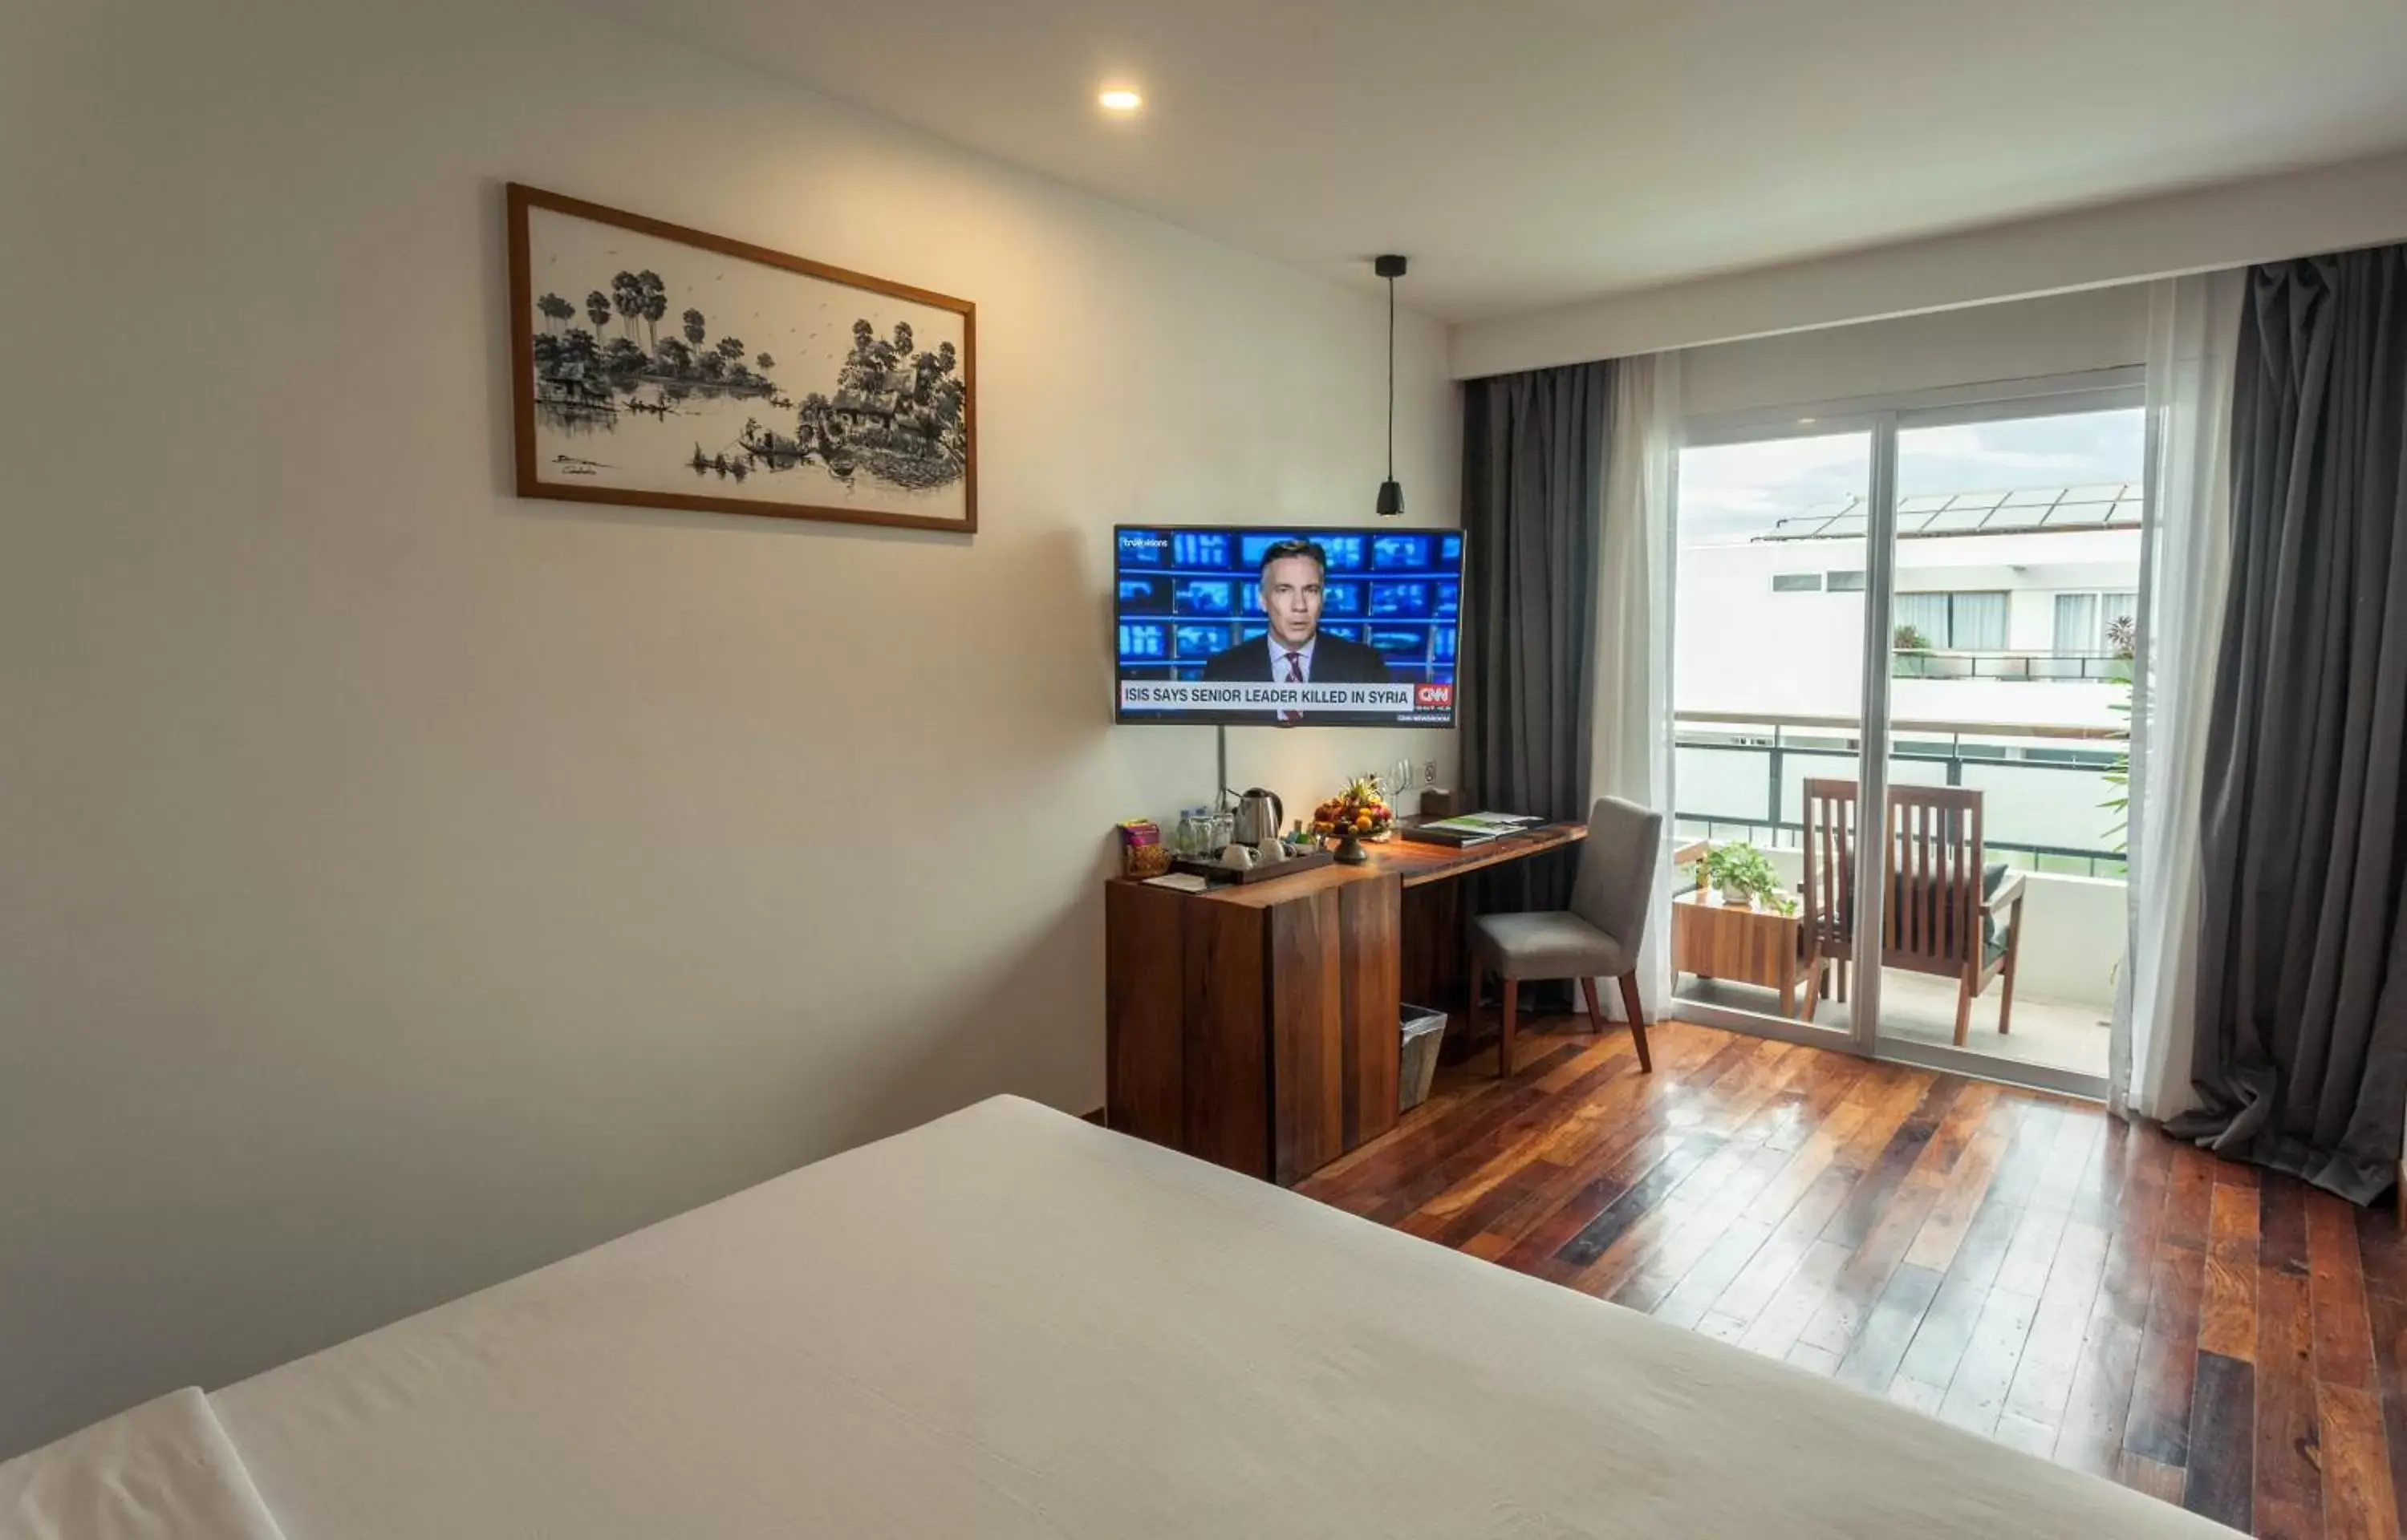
(1011,1323)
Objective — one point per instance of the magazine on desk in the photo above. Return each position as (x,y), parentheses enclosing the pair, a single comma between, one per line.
(1469,829)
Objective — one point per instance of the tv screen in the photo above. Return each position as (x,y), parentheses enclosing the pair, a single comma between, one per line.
(1286,626)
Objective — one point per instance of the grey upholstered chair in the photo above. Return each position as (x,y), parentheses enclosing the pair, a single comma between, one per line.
(1597,938)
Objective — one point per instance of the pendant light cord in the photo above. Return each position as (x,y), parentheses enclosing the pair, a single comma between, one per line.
(1392,379)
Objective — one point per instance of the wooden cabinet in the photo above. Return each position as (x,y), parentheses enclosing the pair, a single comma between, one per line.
(1256,1027)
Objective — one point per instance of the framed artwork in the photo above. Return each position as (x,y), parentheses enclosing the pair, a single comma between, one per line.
(662,366)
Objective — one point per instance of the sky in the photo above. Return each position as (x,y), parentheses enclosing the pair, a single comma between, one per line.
(1734,492)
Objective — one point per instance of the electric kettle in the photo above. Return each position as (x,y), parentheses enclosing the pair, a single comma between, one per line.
(1259,817)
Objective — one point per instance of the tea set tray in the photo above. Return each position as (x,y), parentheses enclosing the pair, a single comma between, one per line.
(1200,866)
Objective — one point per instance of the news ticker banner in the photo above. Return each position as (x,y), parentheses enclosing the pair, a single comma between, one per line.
(1176,695)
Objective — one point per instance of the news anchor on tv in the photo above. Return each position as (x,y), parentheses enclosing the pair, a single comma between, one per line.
(1294,576)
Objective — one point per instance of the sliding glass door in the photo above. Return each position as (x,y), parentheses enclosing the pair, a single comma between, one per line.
(1767,663)
(2017,543)
(1901,682)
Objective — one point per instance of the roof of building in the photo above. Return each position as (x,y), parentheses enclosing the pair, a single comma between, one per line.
(2108,505)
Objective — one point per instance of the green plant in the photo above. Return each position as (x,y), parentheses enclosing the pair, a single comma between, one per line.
(1739,867)
(1909,639)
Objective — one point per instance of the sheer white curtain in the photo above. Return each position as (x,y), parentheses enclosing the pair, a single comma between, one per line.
(2193,327)
(1632,754)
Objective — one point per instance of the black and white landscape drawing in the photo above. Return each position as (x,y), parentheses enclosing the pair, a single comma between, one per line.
(657,370)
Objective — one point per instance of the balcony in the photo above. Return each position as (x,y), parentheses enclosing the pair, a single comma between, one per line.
(2043,786)
(2097,668)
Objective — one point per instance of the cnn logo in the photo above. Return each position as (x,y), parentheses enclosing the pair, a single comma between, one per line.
(1433,697)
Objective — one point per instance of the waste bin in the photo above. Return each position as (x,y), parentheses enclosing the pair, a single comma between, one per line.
(1416,1062)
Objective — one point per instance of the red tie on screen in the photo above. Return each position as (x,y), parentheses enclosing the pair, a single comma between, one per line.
(1294,676)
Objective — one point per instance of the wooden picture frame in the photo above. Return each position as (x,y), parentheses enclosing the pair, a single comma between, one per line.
(871,419)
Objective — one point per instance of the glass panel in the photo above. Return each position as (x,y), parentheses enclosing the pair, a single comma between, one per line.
(1956,521)
(1920,621)
(1766,688)
(2016,745)
(1980,623)
(2077,623)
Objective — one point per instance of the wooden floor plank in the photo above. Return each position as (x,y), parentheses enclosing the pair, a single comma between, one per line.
(2227,1313)
(2094,1293)
(2043,1383)
(2381,1249)
(2190,1194)
(2158,1480)
(2287,1489)
(1977,1394)
(2336,1285)
(2162,1384)
(2099,1406)
(1872,1359)
(1755,1284)
(2361,1498)
(2389,1315)
(2222,1460)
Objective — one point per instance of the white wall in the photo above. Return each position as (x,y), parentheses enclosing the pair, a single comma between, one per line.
(2264,219)
(403,884)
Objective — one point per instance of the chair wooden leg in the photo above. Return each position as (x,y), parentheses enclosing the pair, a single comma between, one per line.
(1504,1040)
(2014,951)
(1595,1012)
(1471,1005)
(1637,1020)
(1817,981)
(1963,1005)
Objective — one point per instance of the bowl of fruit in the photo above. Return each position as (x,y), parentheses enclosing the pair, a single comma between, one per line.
(1357,813)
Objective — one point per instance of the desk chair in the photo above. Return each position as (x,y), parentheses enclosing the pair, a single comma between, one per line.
(1597,938)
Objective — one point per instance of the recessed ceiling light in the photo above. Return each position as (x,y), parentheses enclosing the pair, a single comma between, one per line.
(1120,99)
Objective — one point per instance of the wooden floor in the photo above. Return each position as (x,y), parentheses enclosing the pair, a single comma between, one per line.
(2022,1266)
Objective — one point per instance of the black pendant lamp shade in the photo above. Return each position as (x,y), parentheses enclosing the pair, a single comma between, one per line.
(1391,492)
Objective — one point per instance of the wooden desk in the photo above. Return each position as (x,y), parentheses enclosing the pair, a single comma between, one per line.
(1750,946)
(1258,1026)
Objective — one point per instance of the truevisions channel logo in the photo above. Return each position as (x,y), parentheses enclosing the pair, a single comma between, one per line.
(1138,540)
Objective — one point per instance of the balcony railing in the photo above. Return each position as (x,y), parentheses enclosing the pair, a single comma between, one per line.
(2039,667)
(2046,783)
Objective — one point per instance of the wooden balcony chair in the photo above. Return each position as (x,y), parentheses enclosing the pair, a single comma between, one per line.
(1597,938)
(1944,899)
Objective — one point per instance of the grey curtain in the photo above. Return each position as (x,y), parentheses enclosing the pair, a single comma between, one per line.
(2301,1047)
(1533,461)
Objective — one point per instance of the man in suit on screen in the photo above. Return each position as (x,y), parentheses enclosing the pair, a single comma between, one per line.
(1294,571)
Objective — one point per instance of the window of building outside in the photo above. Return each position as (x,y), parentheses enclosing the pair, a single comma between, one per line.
(1951,622)
(2088,624)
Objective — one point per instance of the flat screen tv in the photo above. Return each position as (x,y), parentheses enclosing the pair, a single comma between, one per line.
(1348,627)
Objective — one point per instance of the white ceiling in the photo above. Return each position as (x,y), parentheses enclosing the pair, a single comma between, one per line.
(1530,152)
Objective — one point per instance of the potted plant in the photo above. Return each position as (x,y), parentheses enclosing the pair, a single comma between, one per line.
(1743,874)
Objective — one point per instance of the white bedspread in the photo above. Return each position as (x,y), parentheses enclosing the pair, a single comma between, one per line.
(1010,1324)
(162,1471)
